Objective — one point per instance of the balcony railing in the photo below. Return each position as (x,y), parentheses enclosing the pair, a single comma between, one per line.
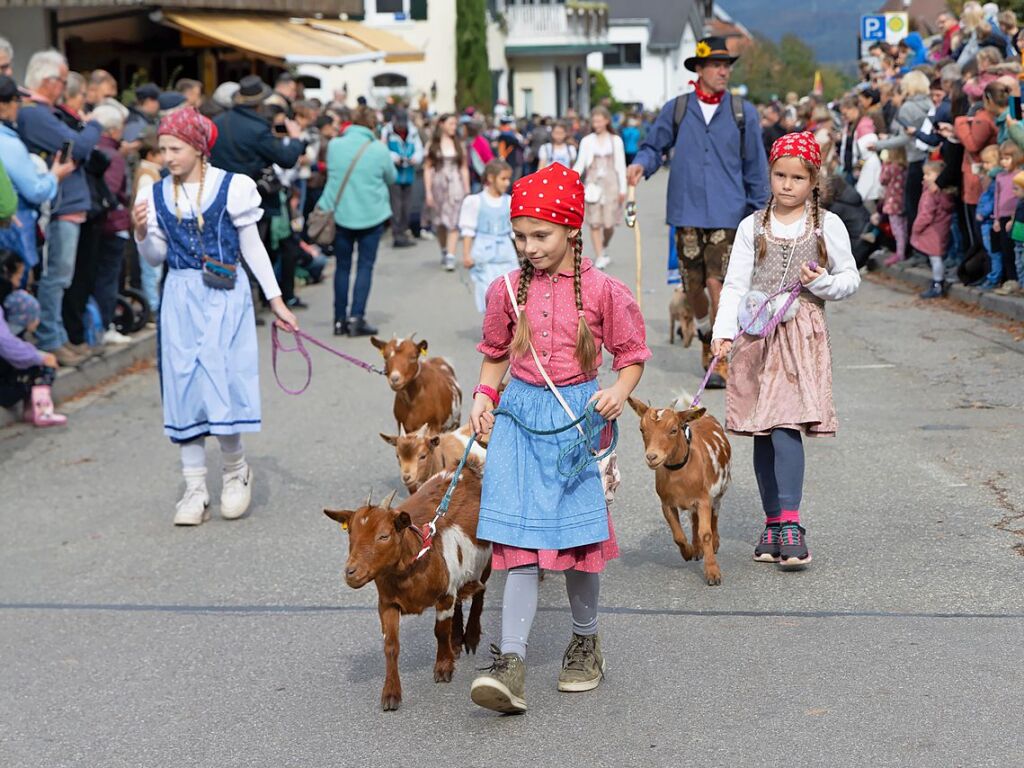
(571,23)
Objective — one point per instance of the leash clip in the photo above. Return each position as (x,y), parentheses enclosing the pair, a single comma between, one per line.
(631,214)
(427,536)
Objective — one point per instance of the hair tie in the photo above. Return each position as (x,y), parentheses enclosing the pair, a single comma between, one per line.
(581,313)
(522,307)
(817,232)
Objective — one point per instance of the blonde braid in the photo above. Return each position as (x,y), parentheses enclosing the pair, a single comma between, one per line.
(818,233)
(586,348)
(199,197)
(761,240)
(521,340)
(175,183)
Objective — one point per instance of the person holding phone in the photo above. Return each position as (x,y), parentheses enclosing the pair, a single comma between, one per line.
(45,133)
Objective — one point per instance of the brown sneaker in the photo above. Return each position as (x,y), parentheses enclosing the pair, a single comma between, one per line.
(83,350)
(67,357)
(582,664)
(502,687)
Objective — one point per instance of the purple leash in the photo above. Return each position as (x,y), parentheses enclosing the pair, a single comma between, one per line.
(794,293)
(275,345)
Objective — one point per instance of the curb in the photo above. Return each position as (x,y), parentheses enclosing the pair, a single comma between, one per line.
(1011,307)
(72,382)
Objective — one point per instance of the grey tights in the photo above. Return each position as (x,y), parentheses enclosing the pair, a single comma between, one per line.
(520,605)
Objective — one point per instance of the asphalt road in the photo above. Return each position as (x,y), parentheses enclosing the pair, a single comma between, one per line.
(127,642)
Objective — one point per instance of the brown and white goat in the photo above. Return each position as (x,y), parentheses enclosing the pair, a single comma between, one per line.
(422,455)
(680,319)
(382,548)
(692,459)
(426,390)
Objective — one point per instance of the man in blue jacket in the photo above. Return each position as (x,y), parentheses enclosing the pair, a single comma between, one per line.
(44,133)
(718,175)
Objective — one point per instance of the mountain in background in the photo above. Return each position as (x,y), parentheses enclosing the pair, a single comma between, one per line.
(830,27)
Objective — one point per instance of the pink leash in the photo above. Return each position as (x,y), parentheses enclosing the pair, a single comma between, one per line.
(794,293)
(276,345)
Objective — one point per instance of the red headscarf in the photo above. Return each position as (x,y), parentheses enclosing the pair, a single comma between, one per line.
(802,145)
(191,127)
(553,194)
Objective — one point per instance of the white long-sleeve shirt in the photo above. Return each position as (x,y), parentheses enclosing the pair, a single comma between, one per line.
(840,280)
(590,147)
(244,208)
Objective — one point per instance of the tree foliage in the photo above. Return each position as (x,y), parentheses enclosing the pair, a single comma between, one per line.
(601,89)
(473,76)
(771,70)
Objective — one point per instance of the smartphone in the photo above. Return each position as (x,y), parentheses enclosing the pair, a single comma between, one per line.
(65,151)
(1015,111)
(280,128)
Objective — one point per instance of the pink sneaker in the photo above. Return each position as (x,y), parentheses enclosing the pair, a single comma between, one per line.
(39,408)
(893,259)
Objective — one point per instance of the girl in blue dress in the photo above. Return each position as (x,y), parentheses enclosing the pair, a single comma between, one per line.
(486,227)
(201,220)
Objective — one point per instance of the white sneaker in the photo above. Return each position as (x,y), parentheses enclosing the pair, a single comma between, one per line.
(236,494)
(602,262)
(113,336)
(449,262)
(194,507)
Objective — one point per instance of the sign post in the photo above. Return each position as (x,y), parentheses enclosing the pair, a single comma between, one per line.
(882,27)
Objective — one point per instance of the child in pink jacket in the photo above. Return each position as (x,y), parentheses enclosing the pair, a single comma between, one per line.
(930,233)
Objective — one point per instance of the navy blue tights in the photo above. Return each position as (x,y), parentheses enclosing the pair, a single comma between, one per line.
(779,468)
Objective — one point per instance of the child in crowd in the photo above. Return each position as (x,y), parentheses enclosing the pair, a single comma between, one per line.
(894,179)
(558,150)
(26,373)
(555,314)
(1011,287)
(1010,157)
(780,385)
(487,249)
(201,220)
(931,231)
(985,214)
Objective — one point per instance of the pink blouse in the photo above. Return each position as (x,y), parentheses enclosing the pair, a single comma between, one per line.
(611,312)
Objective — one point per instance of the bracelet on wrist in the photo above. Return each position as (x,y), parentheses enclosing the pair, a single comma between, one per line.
(490,392)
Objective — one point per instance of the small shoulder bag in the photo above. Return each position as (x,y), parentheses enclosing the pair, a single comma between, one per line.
(320,224)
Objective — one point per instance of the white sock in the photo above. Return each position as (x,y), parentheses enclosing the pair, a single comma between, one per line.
(938,271)
(193,455)
(232,453)
(704,324)
(194,477)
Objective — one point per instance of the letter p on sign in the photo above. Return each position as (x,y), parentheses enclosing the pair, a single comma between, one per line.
(872,27)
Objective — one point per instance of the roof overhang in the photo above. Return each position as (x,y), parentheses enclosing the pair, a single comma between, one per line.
(300,7)
(576,49)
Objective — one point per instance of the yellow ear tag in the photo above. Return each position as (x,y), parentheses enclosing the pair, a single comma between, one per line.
(423,353)
(344,526)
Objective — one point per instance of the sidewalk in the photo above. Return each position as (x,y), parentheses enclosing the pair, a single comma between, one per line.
(72,382)
(1011,307)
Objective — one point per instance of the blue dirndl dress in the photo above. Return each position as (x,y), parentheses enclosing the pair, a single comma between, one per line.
(526,501)
(493,252)
(209,366)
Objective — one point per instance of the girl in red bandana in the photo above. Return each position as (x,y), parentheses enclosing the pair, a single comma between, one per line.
(201,220)
(780,385)
(548,323)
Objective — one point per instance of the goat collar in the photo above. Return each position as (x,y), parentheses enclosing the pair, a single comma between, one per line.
(689,437)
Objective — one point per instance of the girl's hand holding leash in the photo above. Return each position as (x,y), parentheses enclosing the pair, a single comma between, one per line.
(721,347)
(609,402)
(481,418)
(286,320)
(809,272)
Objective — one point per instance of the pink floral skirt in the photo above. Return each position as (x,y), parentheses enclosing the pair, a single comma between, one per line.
(590,558)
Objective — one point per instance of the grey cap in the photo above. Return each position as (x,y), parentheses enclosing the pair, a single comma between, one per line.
(224,94)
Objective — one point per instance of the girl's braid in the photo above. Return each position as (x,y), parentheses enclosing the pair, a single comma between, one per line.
(818,233)
(761,244)
(586,348)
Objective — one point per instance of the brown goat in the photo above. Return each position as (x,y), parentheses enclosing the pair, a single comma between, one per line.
(382,547)
(679,313)
(422,455)
(692,459)
(426,390)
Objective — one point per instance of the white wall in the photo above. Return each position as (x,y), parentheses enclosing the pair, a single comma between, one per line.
(540,77)
(27,30)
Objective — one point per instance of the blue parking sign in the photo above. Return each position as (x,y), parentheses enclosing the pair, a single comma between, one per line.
(872,27)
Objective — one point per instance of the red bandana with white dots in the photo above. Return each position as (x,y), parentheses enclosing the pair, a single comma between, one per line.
(802,145)
(554,194)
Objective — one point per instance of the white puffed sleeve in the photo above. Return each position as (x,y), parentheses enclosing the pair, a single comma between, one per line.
(737,281)
(469,214)
(244,208)
(843,277)
(244,203)
(154,247)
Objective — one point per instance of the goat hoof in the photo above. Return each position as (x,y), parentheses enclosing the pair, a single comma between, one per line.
(390,703)
(714,578)
(443,674)
(471,644)
(686,553)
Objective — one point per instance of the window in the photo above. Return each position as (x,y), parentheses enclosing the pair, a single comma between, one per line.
(418,10)
(390,80)
(390,6)
(626,55)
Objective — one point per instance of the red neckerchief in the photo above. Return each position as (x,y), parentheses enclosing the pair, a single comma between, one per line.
(707,98)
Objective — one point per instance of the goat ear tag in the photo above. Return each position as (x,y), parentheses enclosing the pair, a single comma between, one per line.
(423,352)
(344,526)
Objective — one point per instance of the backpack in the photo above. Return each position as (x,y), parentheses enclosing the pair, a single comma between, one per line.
(683,101)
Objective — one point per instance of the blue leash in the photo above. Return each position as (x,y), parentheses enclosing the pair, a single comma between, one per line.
(591,431)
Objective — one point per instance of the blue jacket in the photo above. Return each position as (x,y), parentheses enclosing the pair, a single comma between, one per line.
(708,185)
(33,187)
(410,149)
(44,133)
